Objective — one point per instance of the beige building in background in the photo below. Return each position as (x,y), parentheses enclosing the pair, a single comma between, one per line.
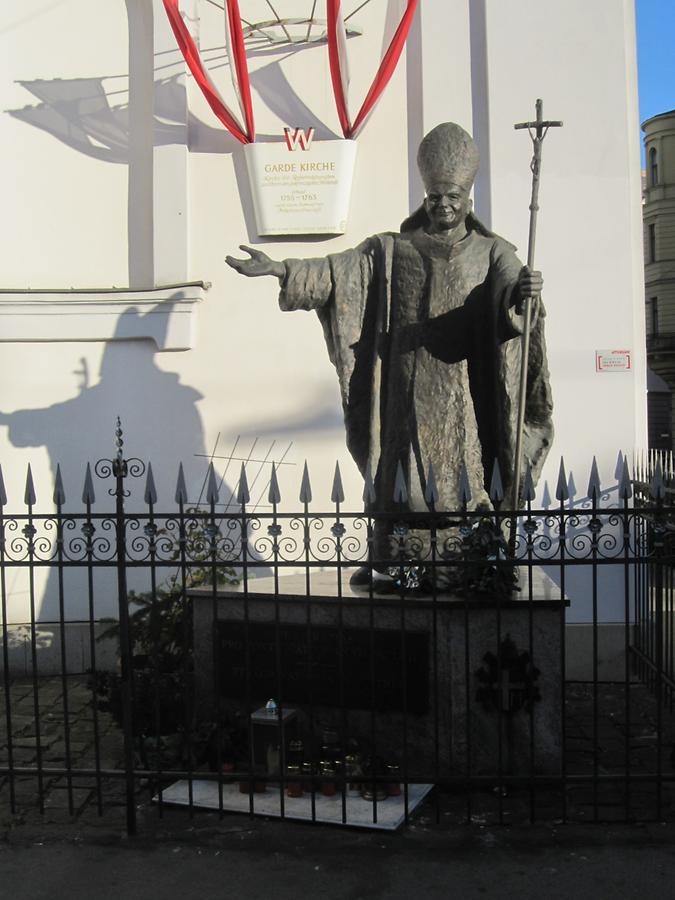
(659,224)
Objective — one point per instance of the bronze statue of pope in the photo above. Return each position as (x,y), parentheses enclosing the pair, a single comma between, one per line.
(423,328)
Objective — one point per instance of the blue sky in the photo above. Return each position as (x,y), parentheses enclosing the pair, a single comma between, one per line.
(656,56)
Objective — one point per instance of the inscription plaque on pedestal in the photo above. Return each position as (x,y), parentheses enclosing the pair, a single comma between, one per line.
(351,667)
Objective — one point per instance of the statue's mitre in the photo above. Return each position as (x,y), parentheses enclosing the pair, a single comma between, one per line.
(448,153)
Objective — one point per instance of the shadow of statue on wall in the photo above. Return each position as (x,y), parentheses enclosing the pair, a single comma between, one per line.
(161,425)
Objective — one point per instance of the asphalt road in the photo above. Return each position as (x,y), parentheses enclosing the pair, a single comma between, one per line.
(263,860)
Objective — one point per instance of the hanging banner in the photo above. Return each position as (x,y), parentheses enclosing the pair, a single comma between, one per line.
(301,186)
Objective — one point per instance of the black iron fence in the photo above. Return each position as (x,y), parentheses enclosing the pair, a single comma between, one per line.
(653,647)
(355,668)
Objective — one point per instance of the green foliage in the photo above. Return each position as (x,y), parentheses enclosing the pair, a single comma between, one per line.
(161,621)
(160,625)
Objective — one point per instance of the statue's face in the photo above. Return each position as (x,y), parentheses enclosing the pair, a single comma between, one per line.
(447,205)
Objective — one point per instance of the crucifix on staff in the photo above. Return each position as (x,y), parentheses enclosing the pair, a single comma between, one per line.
(538,131)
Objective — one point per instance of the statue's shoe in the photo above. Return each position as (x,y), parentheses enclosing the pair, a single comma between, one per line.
(361,578)
(365,576)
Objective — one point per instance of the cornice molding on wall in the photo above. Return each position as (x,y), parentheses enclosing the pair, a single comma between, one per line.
(165,314)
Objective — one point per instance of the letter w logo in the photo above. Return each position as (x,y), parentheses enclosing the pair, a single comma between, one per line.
(295,136)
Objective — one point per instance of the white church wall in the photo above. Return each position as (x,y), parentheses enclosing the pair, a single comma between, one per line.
(102,196)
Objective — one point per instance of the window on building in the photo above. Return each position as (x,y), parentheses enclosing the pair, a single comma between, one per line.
(653,316)
(651,243)
(653,167)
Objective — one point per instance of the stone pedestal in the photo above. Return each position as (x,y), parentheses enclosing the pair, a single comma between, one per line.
(479,693)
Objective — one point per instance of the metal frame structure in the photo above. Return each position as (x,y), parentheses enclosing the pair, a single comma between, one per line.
(314,29)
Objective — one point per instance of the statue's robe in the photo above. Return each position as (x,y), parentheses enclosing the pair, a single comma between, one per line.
(420,332)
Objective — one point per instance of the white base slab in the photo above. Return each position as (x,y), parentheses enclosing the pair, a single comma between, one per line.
(360,813)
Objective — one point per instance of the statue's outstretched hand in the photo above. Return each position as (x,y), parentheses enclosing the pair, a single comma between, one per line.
(258,264)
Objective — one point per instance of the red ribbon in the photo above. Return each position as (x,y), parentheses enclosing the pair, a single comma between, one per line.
(332,12)
(241,65)
(384,73)
(191,54)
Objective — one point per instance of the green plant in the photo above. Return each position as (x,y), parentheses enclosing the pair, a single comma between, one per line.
(160,627)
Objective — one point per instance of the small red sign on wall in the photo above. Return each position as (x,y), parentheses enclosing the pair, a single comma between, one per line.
(612,361)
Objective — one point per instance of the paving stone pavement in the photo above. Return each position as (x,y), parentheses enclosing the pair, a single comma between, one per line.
(73,733)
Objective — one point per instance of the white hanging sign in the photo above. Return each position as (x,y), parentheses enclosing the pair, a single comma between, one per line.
(301,186)
(612,361)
